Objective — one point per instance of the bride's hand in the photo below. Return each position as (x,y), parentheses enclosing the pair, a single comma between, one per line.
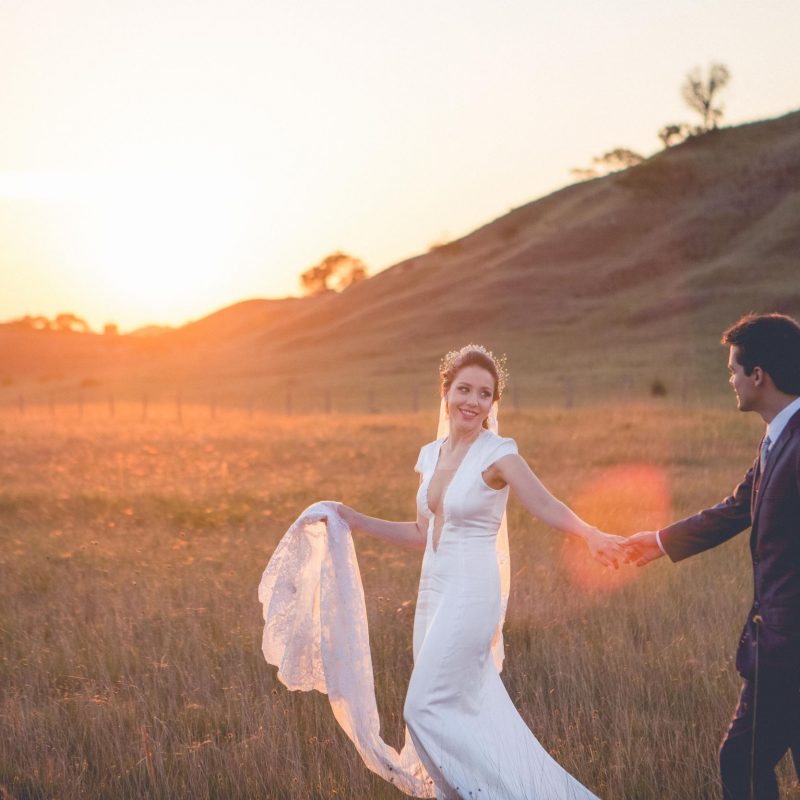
(606,548)
(346,513)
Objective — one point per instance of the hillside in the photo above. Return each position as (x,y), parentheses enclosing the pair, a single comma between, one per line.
(623,278)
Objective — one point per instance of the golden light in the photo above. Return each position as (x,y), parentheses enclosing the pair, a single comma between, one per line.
(157,246)
(163,243)
(623,500)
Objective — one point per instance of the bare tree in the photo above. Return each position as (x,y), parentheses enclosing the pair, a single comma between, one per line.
(335,273)
(700,94)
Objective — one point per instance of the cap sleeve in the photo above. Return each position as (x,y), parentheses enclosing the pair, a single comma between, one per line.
(502,446)
(422,458)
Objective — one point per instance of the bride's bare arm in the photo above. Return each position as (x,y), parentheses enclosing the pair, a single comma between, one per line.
(406,534)
(532,493)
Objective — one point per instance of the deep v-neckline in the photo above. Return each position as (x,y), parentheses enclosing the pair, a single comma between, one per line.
(453,477)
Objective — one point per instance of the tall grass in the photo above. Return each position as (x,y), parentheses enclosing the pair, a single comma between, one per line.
(130,661)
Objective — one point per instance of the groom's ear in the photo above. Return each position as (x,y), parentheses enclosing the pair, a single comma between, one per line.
(758,375)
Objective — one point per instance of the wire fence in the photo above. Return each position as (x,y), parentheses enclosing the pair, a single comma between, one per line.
(295,399)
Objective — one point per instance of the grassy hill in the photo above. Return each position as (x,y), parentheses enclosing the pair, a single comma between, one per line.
(607,283)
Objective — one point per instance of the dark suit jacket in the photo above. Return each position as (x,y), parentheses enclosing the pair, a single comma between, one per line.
(770,503)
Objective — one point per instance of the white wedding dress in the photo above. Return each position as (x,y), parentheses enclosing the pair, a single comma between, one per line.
(465,728)
(466,738)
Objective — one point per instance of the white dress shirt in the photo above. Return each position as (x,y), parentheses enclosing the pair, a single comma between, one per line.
(774,430)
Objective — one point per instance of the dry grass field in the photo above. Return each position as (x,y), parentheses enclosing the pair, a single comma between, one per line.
(130,662)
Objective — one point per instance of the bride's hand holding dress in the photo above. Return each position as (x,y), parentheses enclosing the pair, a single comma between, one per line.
(405,534)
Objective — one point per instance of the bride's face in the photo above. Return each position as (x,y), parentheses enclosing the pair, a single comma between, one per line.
(469,399)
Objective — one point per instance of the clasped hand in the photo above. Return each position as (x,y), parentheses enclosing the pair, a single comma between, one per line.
(606,548)
(641,548)
(611,551)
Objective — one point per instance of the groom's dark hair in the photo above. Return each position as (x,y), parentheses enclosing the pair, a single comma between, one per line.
(769,341)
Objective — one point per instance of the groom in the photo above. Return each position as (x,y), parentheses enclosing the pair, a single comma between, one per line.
(764,364)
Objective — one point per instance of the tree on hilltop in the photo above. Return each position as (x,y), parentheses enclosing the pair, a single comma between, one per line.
(701,95)
(334,273)
(674,134)
(613,161)
(617,159)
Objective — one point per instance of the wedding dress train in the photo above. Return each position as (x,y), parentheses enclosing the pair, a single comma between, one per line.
(464,738)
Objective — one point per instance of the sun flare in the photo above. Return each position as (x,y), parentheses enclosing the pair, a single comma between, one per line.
(162,243)
(623,500)
(157,245)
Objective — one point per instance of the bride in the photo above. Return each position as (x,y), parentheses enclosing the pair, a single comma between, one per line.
(465,738)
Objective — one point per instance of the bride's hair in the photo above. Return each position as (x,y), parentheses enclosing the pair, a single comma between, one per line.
(473,355)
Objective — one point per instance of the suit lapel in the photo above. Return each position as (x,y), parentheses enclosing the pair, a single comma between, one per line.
(774,455)
(772,459)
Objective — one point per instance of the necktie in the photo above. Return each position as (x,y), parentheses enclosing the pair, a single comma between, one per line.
(765,445)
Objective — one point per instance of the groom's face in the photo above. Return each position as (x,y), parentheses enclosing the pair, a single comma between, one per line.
(743,385)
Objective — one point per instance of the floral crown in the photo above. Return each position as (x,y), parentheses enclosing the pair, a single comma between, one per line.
(451,363)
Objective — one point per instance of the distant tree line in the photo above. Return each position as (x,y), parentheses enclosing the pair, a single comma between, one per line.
(700,93)
(63,323)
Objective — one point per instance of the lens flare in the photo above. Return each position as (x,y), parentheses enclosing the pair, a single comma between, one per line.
(623,500)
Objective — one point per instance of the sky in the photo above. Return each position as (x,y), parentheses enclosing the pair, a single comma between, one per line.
(162,159)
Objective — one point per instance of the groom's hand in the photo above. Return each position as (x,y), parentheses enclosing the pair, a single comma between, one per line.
(642,548)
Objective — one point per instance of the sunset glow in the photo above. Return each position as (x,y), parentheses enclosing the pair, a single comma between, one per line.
(160,161)
(149,244)
(163,243)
